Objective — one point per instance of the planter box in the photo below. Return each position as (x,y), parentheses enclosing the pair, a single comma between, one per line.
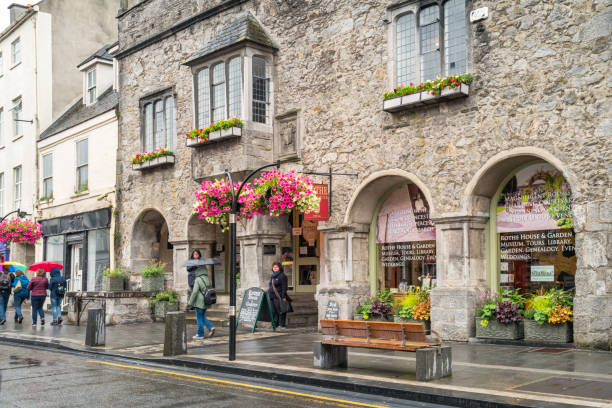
(112,284)
(378,319)
(357,316)
(219,135)
(405,102)
(496,330)
(163,307)
(157,162)
(426,323)
(152,283)
(558,333)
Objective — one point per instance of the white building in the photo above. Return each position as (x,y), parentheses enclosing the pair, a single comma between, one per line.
(77,175)
(38,53)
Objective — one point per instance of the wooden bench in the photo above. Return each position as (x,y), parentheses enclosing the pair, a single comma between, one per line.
(433,360)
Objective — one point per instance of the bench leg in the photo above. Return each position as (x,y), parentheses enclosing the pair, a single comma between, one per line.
(329,356)
(433,363)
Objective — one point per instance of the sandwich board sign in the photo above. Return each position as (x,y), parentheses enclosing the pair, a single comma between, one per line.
(255,307)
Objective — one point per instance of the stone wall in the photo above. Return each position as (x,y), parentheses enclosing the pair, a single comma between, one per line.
(540,92)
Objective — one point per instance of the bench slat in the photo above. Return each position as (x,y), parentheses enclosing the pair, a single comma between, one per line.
(374,330)
(378,344)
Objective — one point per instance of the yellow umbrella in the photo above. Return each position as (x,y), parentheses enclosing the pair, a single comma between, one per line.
(14,266)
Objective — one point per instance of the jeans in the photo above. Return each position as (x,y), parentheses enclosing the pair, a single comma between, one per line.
(56,307)
(279,318)
(4,298)
(17,301)
(37,307)
(202,321)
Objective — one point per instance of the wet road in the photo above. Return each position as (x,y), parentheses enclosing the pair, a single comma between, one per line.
(33,377)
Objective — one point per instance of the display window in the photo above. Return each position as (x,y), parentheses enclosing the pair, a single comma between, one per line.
(406,240)
(535,231)
(300,253)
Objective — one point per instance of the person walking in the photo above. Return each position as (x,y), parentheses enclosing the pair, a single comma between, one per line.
(196,254)
(57,290)
(196,300)
(6,282)
(277,292)
(20,293)
(38,290)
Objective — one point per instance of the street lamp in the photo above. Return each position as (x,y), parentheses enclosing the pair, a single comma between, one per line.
(20,214)
(232,260)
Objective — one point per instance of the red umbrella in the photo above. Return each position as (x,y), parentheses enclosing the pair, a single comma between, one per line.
(46,266)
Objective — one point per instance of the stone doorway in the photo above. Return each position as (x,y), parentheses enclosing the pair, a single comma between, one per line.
(150,241)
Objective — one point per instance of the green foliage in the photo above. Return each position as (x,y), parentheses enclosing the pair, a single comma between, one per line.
(405,311)
(514,297)
(385,296)
(154,268)
(434,86)
(83,188)
(203,134)
(168,295)
(364,308)
(540,305)
(115,273)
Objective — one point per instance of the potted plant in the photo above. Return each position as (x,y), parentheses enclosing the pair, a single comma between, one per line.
(153,276)
(414,307)
(499,316)
(548,316)
(377,308)
(362,312)
(164,302)
(114,280)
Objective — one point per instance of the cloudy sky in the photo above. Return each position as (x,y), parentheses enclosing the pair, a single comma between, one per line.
(4,13)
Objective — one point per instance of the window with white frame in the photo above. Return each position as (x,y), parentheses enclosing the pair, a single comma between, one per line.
(1,127)
(17,117)
(1,64)
(17,187)
(91,86)
(261,90)
(48,176)
(219,91)
(1,194)
(158,121)
(16,51)
(430,41)
(82,166)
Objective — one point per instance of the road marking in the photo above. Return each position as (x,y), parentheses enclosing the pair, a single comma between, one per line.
(235,383)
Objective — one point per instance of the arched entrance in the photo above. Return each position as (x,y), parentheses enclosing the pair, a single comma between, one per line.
(150,241)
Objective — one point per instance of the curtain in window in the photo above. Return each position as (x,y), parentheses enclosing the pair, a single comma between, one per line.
(218,93)
(148,142)
(429,30)
(261,91)
(235,87)
(455,53)
(405,37)
(203,98)
(169,105)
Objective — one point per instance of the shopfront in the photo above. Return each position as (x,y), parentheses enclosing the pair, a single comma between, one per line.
(300,253)
(81,242)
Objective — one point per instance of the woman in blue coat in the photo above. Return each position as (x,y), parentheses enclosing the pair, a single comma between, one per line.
(20,295)
(57,290)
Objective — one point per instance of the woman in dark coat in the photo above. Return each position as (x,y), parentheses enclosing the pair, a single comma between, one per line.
(279,280)
(196,254)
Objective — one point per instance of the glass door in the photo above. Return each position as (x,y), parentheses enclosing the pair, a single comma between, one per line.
(306,246)
(76,268)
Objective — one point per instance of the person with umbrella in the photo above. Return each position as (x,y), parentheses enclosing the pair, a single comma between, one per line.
(197,298)
(196,254)
(57,290)
(20,293)
(6,282)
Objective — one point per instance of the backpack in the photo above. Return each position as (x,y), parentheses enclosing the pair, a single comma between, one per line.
(5,282)
(210,295)
(60,289)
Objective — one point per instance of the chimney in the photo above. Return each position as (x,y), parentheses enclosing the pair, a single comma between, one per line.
(17,10)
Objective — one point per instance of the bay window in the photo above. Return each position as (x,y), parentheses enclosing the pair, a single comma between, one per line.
(219,92)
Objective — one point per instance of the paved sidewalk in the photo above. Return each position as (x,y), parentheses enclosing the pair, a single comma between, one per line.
(483,374)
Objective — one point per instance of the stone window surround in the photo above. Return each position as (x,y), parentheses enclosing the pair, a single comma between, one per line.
(247,53)
(401,8)
(161,94)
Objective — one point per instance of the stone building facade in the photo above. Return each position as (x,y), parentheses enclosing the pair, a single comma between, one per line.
(539,98)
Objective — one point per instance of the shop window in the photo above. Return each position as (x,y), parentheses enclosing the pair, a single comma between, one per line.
(98,257)
(300,252)
(157,114)
(54,248)
(430,41)
(406,240)
(535,231)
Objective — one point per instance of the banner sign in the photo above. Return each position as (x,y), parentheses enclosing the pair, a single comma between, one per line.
(322,191)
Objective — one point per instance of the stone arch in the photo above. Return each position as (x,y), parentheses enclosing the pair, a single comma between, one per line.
(483,186)
(366,197)
(150,237)
(199,230)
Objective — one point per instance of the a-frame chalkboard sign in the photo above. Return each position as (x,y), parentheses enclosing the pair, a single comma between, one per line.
(255,307)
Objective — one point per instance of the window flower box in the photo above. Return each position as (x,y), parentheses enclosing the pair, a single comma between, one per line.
(160,157)
(221,130)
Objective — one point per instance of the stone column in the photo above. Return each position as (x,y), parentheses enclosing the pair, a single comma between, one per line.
(345,269)
(593,300)
(255,266)
(460,274)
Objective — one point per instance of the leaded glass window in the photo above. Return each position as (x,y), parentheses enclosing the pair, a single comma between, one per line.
(455,55)
(218,93)
(158,122)
(261,90)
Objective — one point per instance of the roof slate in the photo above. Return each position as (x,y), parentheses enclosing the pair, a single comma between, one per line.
(244,28)
(79,113)
(102,53)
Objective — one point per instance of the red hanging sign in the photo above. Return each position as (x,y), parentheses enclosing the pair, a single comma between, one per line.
(322,191)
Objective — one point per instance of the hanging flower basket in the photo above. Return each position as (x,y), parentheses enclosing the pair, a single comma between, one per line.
(274,193)
(20,230)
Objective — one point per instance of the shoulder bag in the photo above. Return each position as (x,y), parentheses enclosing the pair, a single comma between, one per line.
(284,305)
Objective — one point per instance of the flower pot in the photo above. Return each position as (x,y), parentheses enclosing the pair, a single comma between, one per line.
(357,316)
(112,284)
(496,330)
(558,333)
(426,323)
(153,283)
(162,307)
(377,319)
